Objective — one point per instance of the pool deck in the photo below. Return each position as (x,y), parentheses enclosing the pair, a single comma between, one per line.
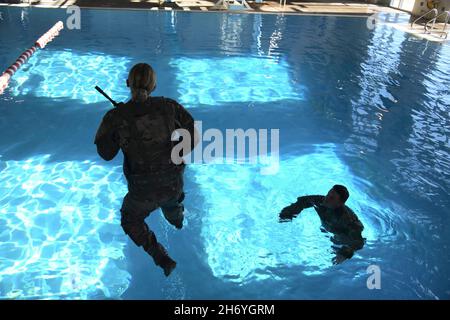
(292,7)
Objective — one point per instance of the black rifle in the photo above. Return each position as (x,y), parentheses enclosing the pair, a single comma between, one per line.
(106,96)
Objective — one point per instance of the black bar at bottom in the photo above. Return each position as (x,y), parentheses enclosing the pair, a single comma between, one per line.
(218,309)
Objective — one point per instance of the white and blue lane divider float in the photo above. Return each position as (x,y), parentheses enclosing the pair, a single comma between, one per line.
(39,44)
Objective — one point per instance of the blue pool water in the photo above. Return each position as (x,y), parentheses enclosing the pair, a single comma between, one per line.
(368,108)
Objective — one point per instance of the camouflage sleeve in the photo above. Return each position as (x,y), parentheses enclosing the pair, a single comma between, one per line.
(353,243)
(105,138)
(354,227)
(294,209)
(309,201)
(183,119)
(355,234)
(342,254)
(347,250)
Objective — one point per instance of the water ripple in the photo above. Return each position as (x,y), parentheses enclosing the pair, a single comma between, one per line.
(60,235)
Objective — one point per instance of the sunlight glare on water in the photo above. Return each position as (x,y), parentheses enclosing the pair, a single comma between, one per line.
(60,236)
(67,74)
(217,81)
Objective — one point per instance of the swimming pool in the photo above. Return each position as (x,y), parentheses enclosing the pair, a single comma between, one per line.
(367,108)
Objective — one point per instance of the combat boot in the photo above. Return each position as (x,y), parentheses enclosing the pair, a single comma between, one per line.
(159,255)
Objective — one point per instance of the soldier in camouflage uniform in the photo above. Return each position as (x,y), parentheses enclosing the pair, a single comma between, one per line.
(142,128)
(336,218)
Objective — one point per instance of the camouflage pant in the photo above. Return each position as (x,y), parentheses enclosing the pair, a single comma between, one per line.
(135,211)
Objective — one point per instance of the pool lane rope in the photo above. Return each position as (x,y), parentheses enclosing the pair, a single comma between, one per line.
(39,44)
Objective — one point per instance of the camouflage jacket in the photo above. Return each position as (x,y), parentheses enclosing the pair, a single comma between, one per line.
(143,132)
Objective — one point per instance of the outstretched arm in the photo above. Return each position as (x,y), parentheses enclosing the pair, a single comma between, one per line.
(291,211)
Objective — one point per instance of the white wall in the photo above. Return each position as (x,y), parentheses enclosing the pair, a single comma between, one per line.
(406,5)
(419,7)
